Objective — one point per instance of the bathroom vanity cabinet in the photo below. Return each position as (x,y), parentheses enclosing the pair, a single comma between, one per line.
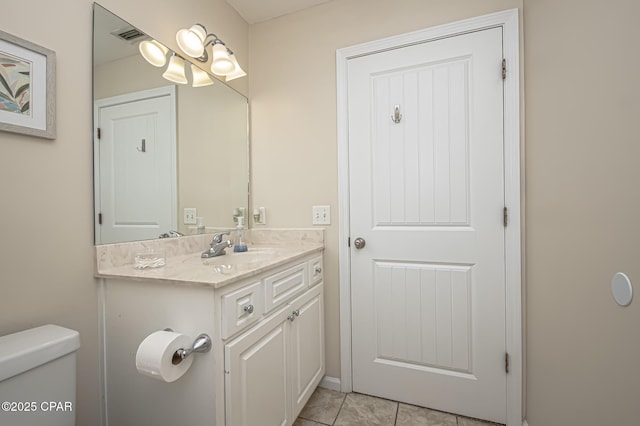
(267,327)
(272,369)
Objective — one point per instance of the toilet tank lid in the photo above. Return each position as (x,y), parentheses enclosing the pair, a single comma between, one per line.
(31,348)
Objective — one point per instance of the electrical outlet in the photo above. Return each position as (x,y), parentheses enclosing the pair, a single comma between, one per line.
(321,215)
(189,216)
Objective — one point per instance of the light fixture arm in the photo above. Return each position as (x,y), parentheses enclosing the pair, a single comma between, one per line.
(209,39)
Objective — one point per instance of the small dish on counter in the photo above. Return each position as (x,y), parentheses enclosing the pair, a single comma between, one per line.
(152,258)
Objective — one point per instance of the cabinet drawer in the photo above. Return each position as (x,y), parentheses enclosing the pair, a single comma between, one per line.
(315,271)
(284,285)
(242,308)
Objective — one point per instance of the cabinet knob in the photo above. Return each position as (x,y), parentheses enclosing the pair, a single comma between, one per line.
(248,309)
(293,315)
(318,270)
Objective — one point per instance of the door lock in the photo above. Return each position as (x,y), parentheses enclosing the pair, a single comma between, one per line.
(359,243)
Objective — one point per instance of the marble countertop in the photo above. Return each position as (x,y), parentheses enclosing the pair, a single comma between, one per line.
(185,265)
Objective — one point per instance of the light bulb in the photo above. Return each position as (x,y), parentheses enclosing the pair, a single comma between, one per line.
(221,64)
(154,52)
(191,40)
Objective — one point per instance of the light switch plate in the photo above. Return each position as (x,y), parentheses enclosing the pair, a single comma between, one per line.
(189,216)
(260,216)
(321,215)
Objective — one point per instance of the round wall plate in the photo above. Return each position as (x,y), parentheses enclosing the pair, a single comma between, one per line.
(622,289)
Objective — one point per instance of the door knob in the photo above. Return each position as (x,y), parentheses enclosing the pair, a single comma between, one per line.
(359,243)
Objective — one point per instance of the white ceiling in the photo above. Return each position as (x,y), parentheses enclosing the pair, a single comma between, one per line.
(254,11)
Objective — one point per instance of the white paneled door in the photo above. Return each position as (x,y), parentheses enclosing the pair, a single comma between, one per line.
(137,157)
(426,198)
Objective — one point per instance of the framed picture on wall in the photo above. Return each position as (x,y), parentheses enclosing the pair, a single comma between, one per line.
(27,87)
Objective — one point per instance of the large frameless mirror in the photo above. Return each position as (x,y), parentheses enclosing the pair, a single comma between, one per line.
(167,157)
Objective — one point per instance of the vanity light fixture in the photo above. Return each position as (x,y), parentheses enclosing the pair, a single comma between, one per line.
(175,70)
(194,42)
(156,54)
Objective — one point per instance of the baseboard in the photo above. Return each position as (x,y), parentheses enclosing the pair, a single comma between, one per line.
(332,383)
(524,423)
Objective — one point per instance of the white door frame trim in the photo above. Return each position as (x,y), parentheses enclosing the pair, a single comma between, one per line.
(508,21)
(126,98)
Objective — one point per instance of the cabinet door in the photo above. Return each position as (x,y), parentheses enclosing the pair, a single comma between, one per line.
(257,377)
(307,346)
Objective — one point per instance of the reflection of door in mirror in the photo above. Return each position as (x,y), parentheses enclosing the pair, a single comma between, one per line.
(211,159)
(136,171)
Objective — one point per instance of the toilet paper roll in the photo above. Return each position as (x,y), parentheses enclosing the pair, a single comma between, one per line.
(154,355)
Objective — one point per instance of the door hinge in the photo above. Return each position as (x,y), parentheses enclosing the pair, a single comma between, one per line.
(505,216)
(506,362)
(99,218)
(504,69)
(99,134)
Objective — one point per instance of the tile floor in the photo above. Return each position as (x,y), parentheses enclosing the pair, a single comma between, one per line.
(328,407)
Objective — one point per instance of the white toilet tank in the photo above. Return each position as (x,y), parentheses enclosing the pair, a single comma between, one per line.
(38,377)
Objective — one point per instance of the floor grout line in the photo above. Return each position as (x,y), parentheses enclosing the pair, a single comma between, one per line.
(339,410)
(397,413)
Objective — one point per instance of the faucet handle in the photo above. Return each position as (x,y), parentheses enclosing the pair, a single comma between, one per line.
(217,238)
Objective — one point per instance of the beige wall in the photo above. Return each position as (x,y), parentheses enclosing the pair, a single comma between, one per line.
(293,110)
(581,188)
(46,257)
(583,205)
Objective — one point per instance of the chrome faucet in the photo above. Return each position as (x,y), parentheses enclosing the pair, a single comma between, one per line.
(217,246)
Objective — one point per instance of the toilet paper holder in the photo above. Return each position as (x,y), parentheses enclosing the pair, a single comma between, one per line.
(202,344)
